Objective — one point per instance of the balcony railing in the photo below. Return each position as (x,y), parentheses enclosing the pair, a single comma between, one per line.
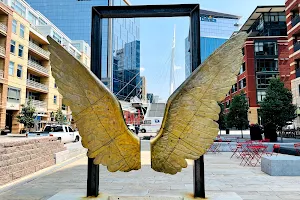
(295,20)
(2,51)
(3,27)
(39,50)
(1,74)
(39,105)
(36,85)
(296,46)
(38,67)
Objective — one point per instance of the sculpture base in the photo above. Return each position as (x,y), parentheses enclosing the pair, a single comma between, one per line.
(73,194)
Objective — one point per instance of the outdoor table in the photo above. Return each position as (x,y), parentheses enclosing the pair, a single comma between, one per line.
(240,147)
(252,154)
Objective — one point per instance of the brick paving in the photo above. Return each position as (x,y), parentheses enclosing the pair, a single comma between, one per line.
(222,175)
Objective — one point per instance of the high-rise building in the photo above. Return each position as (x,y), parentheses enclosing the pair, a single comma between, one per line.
(215,29)
(293,30)
(120,65)
(126,71)
(144,89)
(25,67)
(266,55)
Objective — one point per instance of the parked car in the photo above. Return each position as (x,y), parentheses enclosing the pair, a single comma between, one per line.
(63,132)
(5,131)
(290,126)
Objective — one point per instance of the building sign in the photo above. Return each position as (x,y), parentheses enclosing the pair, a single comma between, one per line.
(12,106)
(208,19)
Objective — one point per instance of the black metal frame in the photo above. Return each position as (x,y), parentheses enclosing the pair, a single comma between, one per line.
(179,10)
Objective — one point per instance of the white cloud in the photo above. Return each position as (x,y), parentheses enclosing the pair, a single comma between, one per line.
(142,69)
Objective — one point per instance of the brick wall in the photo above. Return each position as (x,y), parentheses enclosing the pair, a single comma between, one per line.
(23,157)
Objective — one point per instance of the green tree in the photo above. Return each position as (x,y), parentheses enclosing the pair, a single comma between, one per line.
(238,113)
(59,117)
(276,108)
(27,115)
(222,118)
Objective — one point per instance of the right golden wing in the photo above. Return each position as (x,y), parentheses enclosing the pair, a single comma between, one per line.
(97,113)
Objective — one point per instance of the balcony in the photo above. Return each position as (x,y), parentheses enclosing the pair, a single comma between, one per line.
(3,28)
(295,20)
(38,50)
(297,72)
(37,86)
(38,68)
(40,106)
(296,46)
(2,51)
(1,74)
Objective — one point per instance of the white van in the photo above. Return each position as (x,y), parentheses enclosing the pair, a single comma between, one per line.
(151,124)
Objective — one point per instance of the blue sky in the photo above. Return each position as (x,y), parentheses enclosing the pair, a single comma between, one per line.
(157,35)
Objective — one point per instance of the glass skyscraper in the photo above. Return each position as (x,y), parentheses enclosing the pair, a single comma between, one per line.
(120,67)
(215,29)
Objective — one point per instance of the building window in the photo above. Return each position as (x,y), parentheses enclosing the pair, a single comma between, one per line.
(242,83)
(262,80)
(261,95)
(234,88)
(266,65)
(55,86)
(55,99)
(243,68)
(228,104)
(15,4)
(13,95)
(85,50)
(56,37)
(14,26)
(12,46)
(34,78)
(42,22)
(11,68)
(19,71)
(299,89)
(265,48)
(21,47)
(32,18)
(22,30)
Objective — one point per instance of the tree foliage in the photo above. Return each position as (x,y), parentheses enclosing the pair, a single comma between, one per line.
(222,117)
(27,115)
(59,117)
(277,108)
(238,112)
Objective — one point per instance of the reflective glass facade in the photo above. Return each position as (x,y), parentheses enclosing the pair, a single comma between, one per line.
(74,19)
(215,29)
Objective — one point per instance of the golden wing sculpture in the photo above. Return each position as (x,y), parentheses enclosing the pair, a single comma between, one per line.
(189,125)
(97,113)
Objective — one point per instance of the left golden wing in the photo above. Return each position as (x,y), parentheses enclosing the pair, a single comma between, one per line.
(189,125)
(97,113)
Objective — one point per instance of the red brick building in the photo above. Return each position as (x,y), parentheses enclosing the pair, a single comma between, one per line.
(266,56)
(293,30)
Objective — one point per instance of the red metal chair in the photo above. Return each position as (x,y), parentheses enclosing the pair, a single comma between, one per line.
(215,147)
(275,147)
(255,152)
(297,148)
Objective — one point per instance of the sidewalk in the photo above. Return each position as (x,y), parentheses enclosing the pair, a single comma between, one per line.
(222,175)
